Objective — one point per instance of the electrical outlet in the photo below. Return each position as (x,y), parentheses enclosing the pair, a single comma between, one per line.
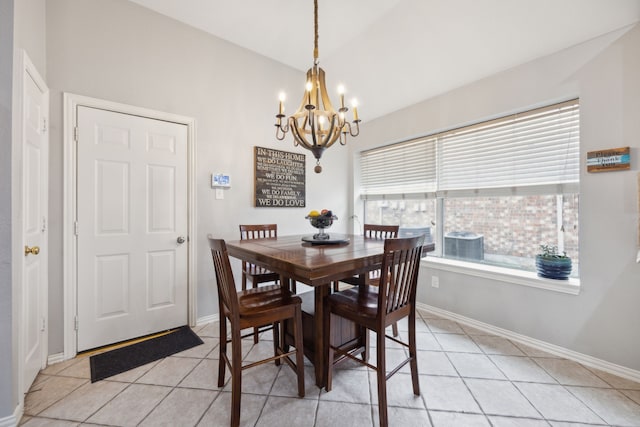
(435,282)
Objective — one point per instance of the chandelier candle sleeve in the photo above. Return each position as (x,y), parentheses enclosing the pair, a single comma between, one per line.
(316,125)
(281,108)
(309,86)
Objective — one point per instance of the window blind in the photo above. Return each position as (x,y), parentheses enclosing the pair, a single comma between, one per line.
(526,153)
(537,147)
(399,170)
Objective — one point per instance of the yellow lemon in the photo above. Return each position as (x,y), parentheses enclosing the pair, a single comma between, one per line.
(314,213)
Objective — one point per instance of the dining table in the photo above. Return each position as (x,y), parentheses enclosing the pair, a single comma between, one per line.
(317,264)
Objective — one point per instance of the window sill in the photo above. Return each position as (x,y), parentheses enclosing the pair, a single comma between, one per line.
(507,275)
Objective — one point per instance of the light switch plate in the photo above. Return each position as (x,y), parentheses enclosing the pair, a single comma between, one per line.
(219,194)
(435,281)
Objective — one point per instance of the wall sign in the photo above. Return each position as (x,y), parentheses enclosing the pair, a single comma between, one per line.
(609,160)
(279,178)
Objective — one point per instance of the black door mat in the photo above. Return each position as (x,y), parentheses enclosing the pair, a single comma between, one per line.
(122,359)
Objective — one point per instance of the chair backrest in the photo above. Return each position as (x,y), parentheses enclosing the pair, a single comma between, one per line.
(227,294)
(399,273)
(373,231)
(258,231)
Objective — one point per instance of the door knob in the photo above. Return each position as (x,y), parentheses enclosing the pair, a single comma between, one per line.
(181,240)
(33,250)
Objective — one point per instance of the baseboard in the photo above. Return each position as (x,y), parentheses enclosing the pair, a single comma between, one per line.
(9,421)
(207,319)
(12,420)
(585,359)
(55,358)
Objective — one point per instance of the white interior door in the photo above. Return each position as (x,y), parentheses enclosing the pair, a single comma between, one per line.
(35,159)
(131,226)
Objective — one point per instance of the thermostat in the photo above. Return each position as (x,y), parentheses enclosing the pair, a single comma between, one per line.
(220,180)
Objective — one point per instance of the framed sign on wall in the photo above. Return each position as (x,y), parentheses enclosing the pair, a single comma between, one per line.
(613,159)
(279,178)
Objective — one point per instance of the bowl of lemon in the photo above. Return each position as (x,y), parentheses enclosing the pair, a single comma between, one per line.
(321,220)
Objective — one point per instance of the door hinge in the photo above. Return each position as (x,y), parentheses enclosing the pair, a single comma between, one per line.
(44,125)
(75,227)
(75,323)
(43,324)
(75,134)
(44,224)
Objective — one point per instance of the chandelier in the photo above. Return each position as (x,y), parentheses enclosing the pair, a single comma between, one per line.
(316,125)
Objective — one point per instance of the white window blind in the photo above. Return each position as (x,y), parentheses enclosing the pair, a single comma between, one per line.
(527,153)
(533,148)
(400,169)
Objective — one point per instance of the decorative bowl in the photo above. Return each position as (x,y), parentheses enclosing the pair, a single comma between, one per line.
(321,222)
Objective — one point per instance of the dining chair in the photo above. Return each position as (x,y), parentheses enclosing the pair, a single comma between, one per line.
(255,273)
(372,231)
(266,305)
(375,308)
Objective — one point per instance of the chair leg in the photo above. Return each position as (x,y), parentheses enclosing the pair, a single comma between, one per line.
(297,330)
(236,376)
(336,286)
(394,327)
(276,340)
(288,283)
(327,345)
(222,349)
(244,279)
(413,354)
(365,337)
(382,379)
(283,336)
(255,330)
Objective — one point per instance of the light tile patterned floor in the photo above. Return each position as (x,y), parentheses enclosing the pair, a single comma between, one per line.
(467,378)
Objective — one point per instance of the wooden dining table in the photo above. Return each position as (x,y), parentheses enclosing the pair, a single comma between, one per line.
(316,265)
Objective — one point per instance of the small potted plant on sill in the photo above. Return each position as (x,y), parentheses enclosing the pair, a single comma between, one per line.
(551,264)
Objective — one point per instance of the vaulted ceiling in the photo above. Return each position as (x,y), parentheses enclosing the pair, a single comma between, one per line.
(394,53)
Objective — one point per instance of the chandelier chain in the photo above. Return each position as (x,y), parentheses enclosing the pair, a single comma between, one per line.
(315,38)
(316,125)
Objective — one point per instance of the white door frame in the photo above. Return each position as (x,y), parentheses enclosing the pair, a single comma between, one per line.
(23,68)
(70,268)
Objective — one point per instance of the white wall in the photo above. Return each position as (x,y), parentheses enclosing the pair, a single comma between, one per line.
(119,51)
(29,31)
(601,321)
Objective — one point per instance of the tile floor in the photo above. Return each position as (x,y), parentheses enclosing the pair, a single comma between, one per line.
(467,378)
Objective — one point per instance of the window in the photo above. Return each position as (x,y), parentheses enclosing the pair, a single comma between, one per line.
(488,193)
